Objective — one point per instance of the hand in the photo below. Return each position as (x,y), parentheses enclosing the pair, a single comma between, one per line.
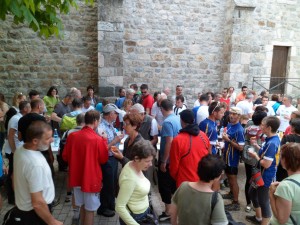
(5,169)
(119,138)
(163,167)
(116,152)
(273,187)
(225,137)
(56,222)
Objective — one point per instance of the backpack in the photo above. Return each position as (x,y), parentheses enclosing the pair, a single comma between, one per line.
(68,122)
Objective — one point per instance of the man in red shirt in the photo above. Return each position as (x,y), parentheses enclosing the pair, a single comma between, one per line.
(147,99)
(187,149)
(85,150)
(225,98)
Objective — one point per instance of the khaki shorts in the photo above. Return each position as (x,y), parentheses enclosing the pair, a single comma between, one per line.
(91,201)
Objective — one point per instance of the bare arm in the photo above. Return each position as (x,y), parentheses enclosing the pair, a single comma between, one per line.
(154,140)
(55,117)
(173,213)
(148,111)
(42,210)
(11,140)
(281,207)
(166,153)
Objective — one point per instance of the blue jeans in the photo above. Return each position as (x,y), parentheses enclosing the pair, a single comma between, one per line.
(137,217)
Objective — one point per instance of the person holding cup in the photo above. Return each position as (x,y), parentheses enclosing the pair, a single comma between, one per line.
(252,131)
(266,159)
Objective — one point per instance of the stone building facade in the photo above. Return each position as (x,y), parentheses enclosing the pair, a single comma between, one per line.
(202,45)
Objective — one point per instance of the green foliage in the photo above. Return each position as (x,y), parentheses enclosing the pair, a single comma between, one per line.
(42,16)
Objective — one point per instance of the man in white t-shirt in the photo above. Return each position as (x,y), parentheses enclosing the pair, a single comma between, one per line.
(246,105)
(284,112)
(202,111)
(34,188)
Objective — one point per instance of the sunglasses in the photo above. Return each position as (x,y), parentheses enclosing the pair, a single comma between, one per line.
(216,107)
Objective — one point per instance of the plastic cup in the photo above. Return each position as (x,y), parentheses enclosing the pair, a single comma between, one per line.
(251,149)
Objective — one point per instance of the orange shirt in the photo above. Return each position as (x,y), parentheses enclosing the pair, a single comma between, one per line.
(240,97)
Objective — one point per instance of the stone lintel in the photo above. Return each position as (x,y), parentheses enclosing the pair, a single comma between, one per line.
(245,4)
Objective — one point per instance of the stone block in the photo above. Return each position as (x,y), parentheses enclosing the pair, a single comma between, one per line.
(105,26)
(100,60)
(101,35)
(144,43)
(236,68)
(245,58)
(106,91)
(115,80)
(130,43)
(177,50)
(271,24)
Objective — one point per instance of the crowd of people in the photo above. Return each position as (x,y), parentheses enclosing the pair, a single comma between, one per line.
(195,151)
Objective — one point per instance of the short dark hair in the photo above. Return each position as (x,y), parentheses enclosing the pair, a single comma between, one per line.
(51,89)
(33,93)
(244,87)
(90,87)
(91,116)
(86,98)
(77,103)
(273,122)
(144,86)
(134,86)
(210,167)
(264,96)
(135,119)
(36,102)
(179,97)
(22,105)
(211,94)
(142,149)
(166,104)
(80,118)
(216,107)
(275,98)
(295,124)
(156,94)
(258,116)
(290,153)
(261,108)
(204,97)
(36,130)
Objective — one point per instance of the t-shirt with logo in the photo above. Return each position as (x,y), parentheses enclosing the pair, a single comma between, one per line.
(235,133)
(209,127)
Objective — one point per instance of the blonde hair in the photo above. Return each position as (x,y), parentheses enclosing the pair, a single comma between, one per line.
(17,98)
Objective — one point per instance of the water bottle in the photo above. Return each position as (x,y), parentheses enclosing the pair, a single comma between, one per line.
(56,138)
(221,132)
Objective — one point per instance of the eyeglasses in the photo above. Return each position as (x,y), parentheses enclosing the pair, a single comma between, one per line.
(216,107)
(126,124)
(144,92)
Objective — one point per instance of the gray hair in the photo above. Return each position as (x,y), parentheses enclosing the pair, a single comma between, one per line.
(130,91)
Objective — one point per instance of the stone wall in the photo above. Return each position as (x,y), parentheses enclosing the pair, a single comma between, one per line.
(163,43)
(30,62)
(204,45)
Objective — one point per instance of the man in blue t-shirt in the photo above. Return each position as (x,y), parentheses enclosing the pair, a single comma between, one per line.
(170,129)
(234,144)
(216,111)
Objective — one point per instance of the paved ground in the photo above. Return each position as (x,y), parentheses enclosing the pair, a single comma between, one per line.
(63,211)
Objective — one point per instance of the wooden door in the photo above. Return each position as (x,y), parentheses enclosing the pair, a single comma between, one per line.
(278,71)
